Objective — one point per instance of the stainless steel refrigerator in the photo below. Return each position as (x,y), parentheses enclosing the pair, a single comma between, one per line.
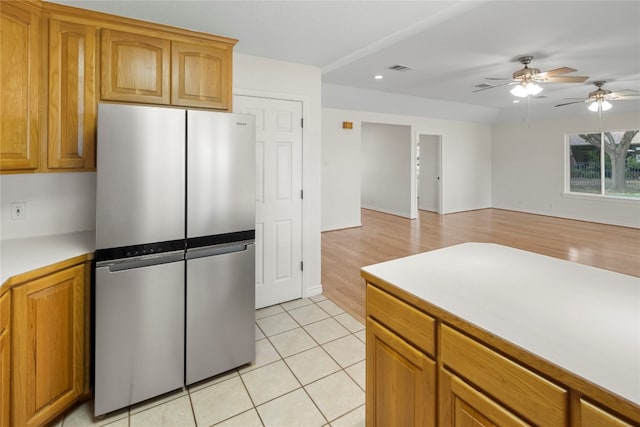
(175,260)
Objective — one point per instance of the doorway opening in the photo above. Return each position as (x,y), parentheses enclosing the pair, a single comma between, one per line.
(386,168)
(429,172)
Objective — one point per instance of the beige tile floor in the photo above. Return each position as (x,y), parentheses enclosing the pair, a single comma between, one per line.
(309,371)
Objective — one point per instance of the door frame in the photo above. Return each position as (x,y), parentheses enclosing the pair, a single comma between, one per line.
(306,235)
(439,146)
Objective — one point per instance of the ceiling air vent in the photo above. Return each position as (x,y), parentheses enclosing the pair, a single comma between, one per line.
(399,67)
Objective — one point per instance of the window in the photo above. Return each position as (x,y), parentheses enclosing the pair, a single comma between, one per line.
(605,163)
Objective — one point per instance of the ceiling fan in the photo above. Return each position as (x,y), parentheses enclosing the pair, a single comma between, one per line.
(600,97)
(526,78)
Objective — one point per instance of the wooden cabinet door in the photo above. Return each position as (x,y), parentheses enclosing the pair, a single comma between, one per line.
(592,416)
(134,68)
(463,406)
(525,392)
(401,381)
(20,86)
(201,75)
(48,346)
(5,358)
(72,95)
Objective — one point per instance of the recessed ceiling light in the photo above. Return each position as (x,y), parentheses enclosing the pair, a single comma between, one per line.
(515,101)
(378,77)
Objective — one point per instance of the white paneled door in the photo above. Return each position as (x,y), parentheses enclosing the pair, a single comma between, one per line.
(278,197)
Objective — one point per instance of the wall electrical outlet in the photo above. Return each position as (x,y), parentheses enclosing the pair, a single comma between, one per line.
(18,210)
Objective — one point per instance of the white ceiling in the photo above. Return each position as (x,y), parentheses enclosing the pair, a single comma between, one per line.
(451,46)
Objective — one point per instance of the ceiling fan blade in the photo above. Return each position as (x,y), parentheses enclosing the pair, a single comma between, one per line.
(623,92)
(480,89)
(485,86)
(625,98)
(557,71)
(564,79)
(573,102)
(497,78)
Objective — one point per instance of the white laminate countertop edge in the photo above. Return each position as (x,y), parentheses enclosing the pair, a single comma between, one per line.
(583,319)
(19,256)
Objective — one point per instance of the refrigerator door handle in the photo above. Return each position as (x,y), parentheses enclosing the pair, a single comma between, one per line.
(141,261)
(216,250)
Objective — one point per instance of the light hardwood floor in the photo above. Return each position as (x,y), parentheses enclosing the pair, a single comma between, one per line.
(383,237)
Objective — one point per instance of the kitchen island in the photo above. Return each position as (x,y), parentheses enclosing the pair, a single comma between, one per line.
(502,336)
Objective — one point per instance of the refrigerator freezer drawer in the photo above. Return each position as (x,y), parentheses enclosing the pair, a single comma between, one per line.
(220,313)
(139,334)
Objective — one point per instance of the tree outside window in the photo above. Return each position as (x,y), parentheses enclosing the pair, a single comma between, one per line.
(606,163)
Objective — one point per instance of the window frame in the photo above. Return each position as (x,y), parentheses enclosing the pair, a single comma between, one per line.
(567,172)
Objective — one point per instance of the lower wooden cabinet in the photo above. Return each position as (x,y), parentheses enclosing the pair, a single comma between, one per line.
(49,349)
(463,405)
(528,394)
(5,358)
(592,416)
(401,381)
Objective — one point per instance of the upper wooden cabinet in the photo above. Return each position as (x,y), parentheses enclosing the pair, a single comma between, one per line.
(161,70)
(135,68)
(71,130)
(20,74)
(201,75)
(57,62)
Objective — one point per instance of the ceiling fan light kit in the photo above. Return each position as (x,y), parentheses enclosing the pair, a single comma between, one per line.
(525,89)
(602,105)
(599,98)
(525,81)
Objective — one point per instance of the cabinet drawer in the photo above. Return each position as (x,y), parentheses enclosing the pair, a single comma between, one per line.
(592,416)
(528,394)
(5,312)
(406,321)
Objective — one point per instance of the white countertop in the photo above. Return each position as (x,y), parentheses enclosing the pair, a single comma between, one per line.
(583,319)
(22,255)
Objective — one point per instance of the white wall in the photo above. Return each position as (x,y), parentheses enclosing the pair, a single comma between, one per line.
(529,167)
(55,203)
(341,166)
(276,79)
(386,172)
(466,164)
